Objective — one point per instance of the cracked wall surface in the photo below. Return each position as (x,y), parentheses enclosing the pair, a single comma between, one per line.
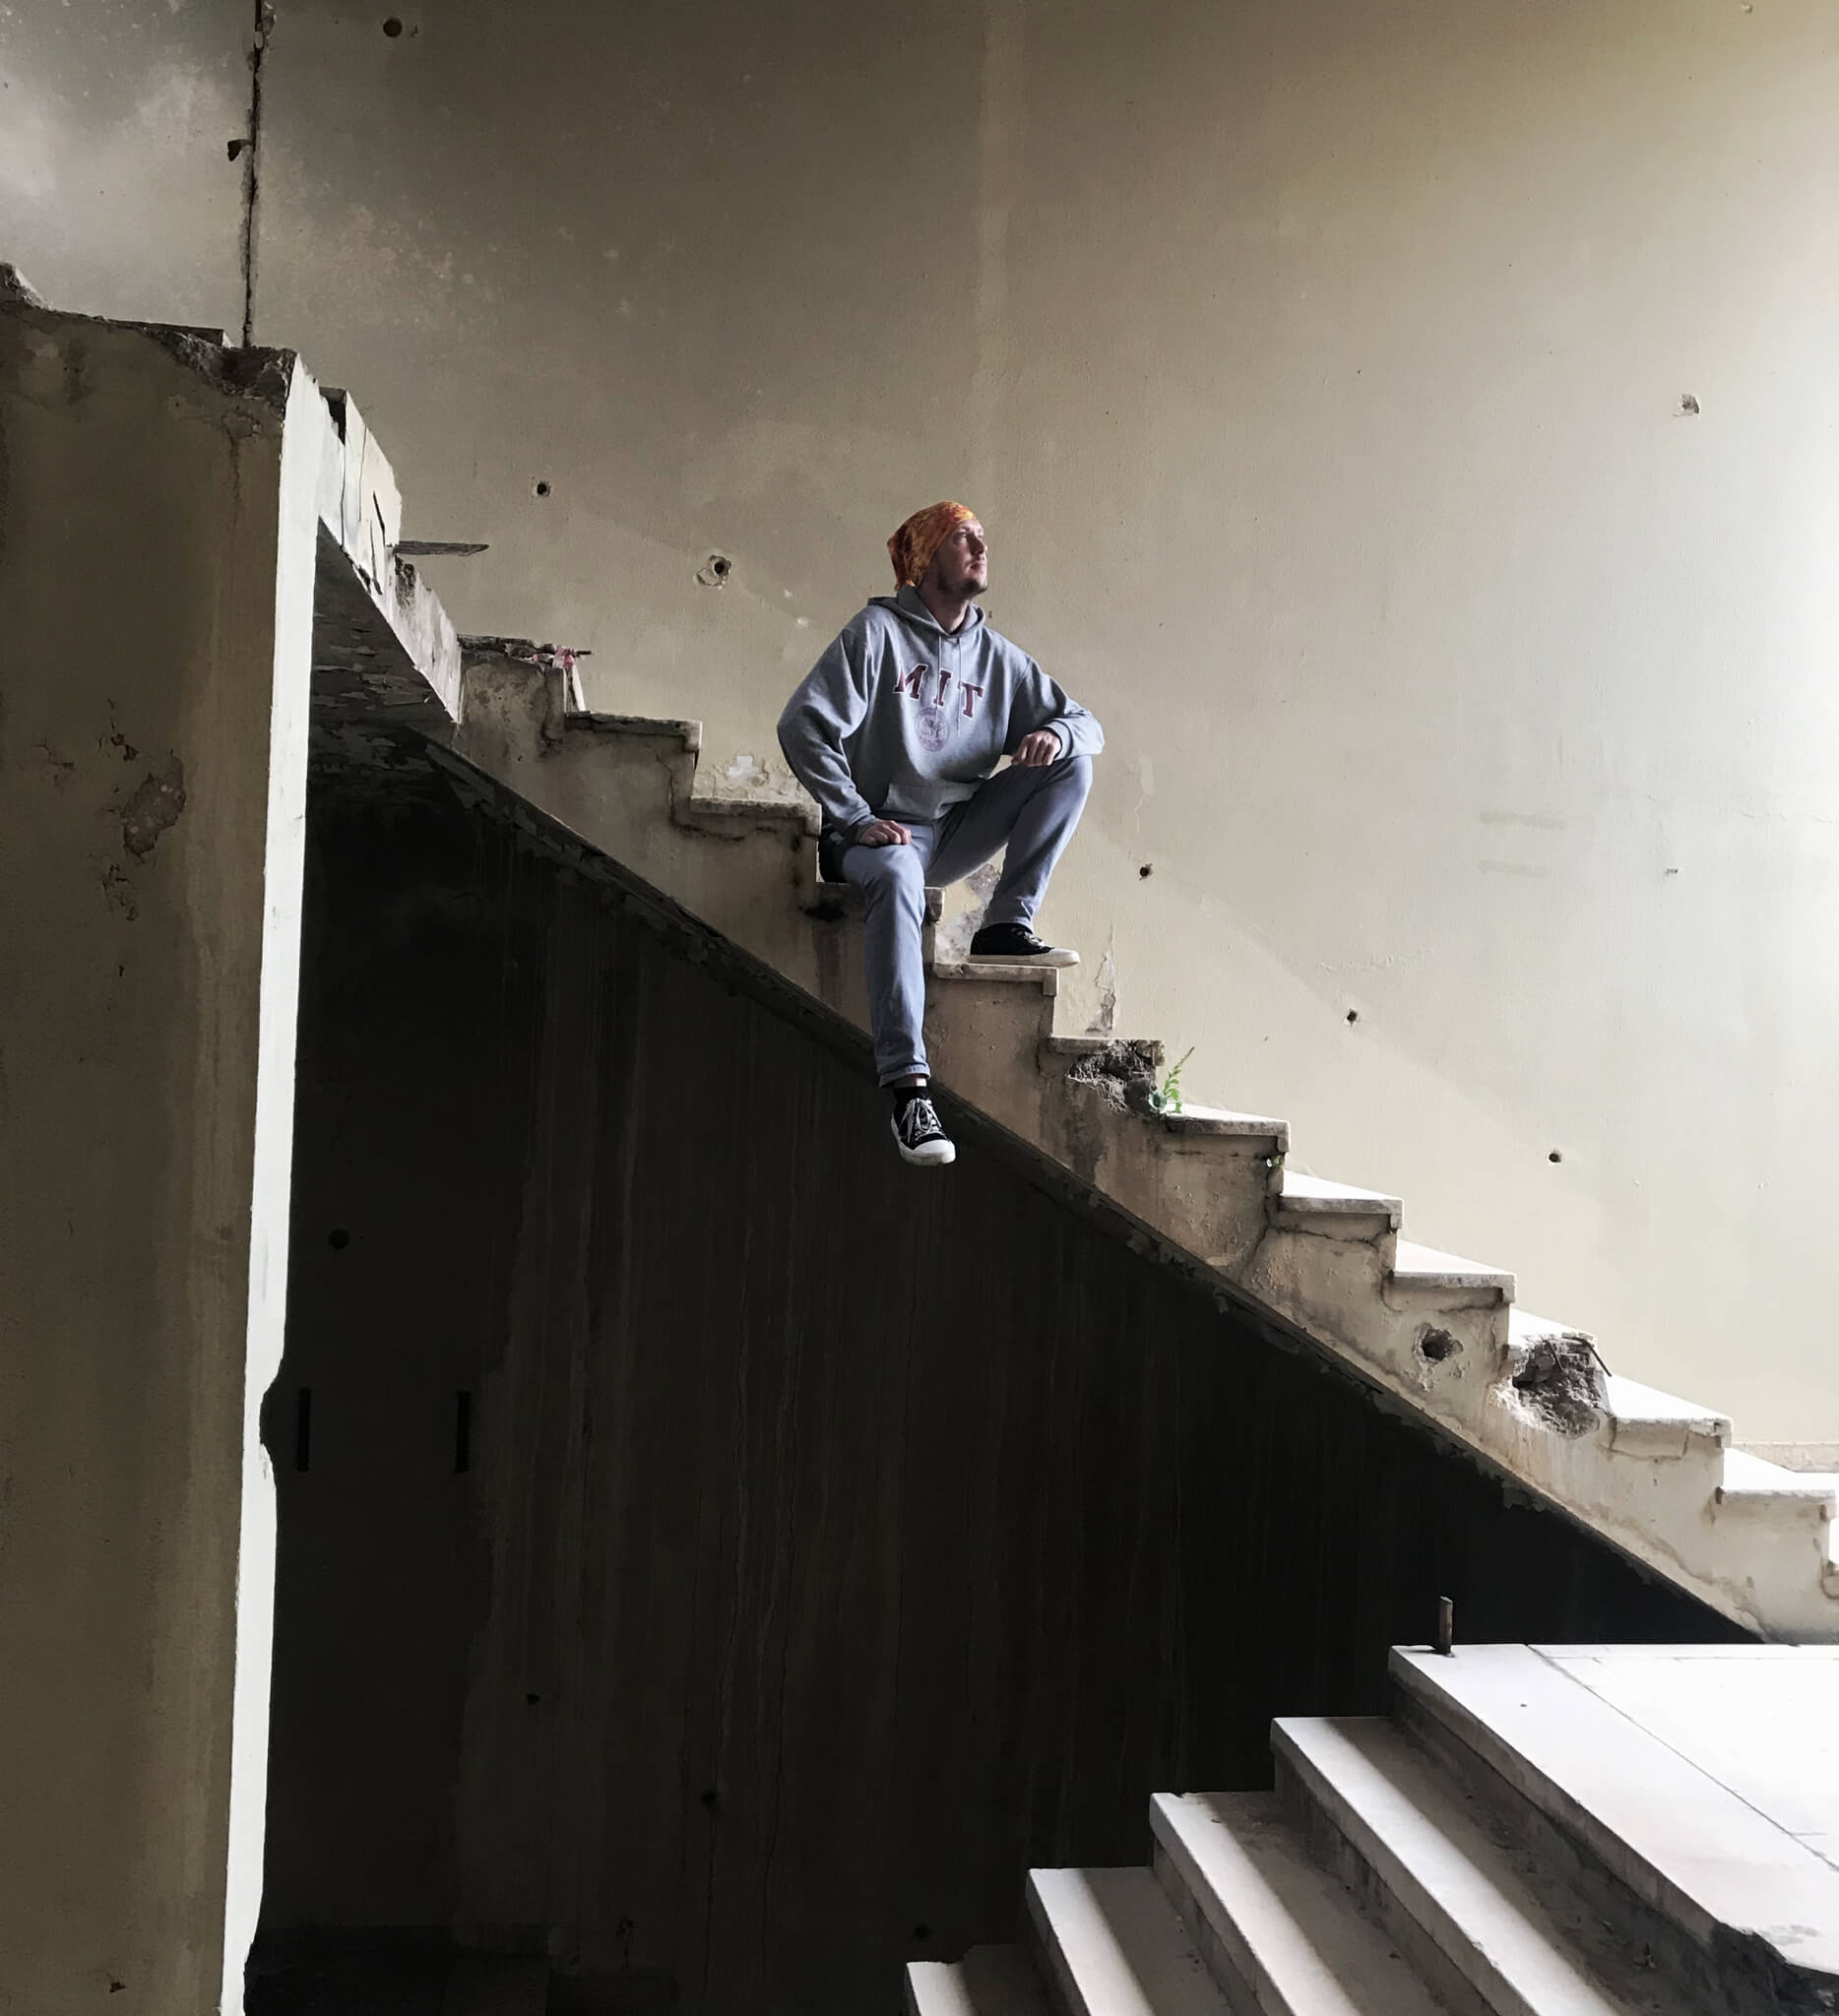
(1409,432)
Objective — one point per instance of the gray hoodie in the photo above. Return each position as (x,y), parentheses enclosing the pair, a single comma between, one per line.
(901,719)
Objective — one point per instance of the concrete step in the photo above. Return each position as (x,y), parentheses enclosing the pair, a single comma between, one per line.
(1421,1277)
(729,815)
(1336,1210)
(1221,1123)
(1467,1912)
(1004,973)
(1647,1422)
(989,1980)
(1283,1936)
(1074,1047)
(1752,1484)
(1692,1792)
(1111,1945)
(687,734)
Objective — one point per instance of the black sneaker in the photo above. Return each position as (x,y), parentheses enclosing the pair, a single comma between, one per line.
(1016,944)
(918,1136)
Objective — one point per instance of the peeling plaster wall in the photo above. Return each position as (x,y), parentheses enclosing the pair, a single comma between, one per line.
(1322,377)
(153,749)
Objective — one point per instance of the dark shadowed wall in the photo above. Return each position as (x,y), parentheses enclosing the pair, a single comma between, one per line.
(723,1559)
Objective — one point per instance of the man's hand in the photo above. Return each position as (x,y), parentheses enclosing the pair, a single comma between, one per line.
(1037,750)
(883,833)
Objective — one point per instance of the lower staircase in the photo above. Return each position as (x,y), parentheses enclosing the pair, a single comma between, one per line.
(1506,1842)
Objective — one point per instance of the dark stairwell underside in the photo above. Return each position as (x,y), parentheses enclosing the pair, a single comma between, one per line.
(721,1558)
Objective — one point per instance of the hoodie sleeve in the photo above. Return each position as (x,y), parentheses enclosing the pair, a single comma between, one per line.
(1042,703)
(828,706)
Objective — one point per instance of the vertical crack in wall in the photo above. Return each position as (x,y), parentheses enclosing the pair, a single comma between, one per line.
(252,162)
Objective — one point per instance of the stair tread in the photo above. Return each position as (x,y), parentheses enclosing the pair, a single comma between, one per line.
(1194,1119)
(1118,1946)
(1629,1399)
(798,813)
(1329,1196)
(1009,971)
(1427,1263)
(1302,1945)
(1755,1477)
(989,1980)
(1675,1834)
(1470,1895)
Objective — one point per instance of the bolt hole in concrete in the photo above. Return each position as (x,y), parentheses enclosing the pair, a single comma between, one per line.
(1436,1345)
(1146,871)
(1354,1015)
(714,571)
(392,28)
(1556,1155)
(233,147)
(540,487)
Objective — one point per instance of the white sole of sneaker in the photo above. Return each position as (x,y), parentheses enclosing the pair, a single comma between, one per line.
(934,1155)
(1059,956)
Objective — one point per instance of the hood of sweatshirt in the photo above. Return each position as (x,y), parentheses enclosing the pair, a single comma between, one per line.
(910,606)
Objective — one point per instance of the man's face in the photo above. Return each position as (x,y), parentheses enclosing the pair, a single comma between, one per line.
(961,566)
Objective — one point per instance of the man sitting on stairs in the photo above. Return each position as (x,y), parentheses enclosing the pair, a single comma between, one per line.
(896,734)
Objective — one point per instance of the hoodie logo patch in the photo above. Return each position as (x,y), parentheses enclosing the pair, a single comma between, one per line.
(933,729)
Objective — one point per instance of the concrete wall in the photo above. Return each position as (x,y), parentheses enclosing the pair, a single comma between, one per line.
(1322,378)
(153,749)
(824,1543)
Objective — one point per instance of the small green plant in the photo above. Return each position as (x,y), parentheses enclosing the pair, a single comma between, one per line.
(1167,1098)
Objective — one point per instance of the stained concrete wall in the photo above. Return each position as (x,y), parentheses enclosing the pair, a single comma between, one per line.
(1322,377)
(153,747)
(716,1557)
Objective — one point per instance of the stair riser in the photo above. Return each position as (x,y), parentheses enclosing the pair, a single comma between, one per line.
(1225,1959)
(1637,1923)
(1416,1944)
(1063,1996)
(1208,1193)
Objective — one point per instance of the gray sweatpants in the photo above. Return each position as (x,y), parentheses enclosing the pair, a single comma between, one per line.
(1032,812)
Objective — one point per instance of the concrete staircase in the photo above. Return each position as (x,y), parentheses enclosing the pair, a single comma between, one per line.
(1442,1335)
(1508,1842)
(1437,1335)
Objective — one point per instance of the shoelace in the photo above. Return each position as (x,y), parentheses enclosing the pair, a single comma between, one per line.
(918,1119)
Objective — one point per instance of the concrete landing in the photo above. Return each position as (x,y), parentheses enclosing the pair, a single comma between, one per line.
(1705,1777)
(1761,1720)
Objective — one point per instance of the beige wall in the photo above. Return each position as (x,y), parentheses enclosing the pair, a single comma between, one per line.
(1318,372)
(154,680)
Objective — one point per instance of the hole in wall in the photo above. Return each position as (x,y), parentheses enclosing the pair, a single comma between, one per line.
(714,571)
(1556,1155)
(540,487)
(1434,1346)
(1354,1015)
(233,147)
(392,28)
(1146,871)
